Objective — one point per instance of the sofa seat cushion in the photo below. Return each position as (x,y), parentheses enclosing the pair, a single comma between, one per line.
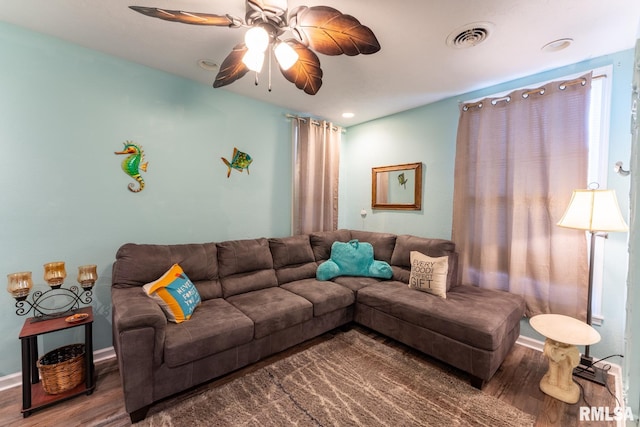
(481,318)
(355,283)
(216,326)
(272,309)
(325,296)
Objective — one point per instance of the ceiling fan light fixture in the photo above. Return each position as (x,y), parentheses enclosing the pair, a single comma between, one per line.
(253,59)
(320,29)
(257,39)
(285,55)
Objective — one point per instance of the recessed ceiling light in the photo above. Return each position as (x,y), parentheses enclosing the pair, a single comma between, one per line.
(348,115)
(207,64)
(557,45)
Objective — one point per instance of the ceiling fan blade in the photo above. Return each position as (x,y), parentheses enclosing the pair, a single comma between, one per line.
(306,73)
(329,31)
(232,67)
(193,18)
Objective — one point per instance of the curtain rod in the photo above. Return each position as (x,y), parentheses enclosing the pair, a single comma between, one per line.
(579,80)
(314,122)
(539,90)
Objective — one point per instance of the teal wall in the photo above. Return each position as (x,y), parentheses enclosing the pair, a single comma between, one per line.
(64,110)
(422,135)
(428,134)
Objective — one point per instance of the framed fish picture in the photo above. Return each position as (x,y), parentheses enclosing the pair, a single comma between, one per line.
(397,187)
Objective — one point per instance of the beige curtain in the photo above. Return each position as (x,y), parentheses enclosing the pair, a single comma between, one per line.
(518,159)
(315,184)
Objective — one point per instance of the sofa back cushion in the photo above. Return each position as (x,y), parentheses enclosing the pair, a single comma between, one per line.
(383,243)
(293,258)
(137,265)
(401,257)
(321,242)
(245,266)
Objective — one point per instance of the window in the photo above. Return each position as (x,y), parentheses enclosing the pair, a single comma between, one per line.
(598,122)
(599,112)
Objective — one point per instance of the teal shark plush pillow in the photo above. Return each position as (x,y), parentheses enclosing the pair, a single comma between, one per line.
(352,258)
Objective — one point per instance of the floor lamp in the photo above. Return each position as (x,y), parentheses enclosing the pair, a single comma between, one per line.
(597,212)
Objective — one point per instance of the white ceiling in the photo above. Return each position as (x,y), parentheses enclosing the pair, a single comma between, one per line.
(414,67)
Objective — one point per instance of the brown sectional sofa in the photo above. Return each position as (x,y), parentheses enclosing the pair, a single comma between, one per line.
(260,297)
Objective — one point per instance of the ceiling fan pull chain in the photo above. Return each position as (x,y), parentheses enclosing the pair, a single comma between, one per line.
(256,78)
(270,53)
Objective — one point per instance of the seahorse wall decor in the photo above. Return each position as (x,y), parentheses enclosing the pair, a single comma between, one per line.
(133,164)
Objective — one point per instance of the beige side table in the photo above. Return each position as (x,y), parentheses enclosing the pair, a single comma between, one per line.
(563,333)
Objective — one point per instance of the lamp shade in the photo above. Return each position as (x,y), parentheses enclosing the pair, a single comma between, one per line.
(593,210)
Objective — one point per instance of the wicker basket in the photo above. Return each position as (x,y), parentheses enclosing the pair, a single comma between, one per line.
(62,369)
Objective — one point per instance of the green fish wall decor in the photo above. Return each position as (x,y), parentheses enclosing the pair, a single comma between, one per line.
(239,161)
(402,180)
(133,164)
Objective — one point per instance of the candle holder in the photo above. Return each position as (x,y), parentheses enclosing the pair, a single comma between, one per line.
(54,274)
(19,285)
(57,301)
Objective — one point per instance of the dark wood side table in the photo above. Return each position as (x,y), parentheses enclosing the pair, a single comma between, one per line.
(33,395)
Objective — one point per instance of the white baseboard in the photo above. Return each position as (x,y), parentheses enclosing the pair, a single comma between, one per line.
(11,380)
(530,343)
(103,354)
(15,380)
(615,370)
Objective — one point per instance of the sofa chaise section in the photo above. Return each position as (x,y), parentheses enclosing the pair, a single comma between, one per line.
(472,329)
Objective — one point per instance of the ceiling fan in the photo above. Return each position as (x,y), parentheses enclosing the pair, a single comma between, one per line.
(318,28)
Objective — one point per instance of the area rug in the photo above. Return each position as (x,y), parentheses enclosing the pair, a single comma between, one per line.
(349,380)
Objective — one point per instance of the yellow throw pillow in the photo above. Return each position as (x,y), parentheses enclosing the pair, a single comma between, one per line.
(429,274)
(175,293)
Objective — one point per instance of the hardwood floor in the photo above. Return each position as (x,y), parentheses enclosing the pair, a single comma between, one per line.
(515,383)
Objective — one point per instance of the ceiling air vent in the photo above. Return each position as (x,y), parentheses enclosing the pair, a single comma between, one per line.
(470,35)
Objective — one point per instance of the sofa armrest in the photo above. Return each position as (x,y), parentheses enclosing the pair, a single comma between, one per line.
(138,338)
(132,311)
